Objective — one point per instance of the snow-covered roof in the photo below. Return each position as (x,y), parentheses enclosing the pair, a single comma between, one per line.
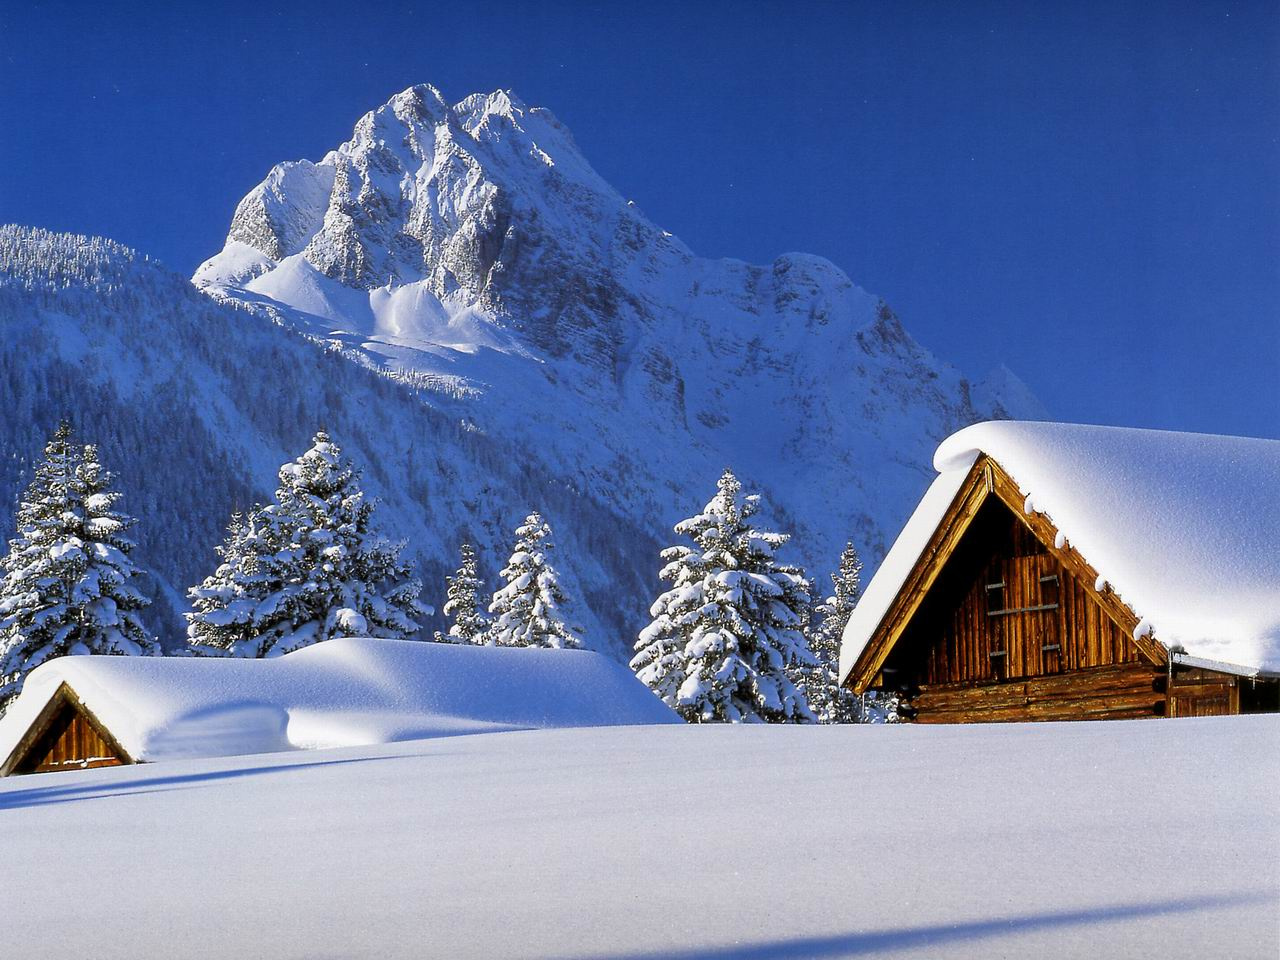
(1185,528)
(347,692)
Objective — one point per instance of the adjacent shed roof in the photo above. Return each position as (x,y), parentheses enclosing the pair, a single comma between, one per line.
(339,693)
(1185,528)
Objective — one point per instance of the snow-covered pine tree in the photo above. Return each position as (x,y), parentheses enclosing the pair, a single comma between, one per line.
(36,617)
(728,632)
(527,608)
(306,568)
(109,590)
(254,557)
(69,586)
(821,682)
(462,603)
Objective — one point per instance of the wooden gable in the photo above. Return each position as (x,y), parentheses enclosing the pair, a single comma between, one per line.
(1001,619)
(1004,608)
(64,736)
(990,496)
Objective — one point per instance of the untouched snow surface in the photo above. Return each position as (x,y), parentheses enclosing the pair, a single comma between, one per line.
(344,692)
(1124,839)
(1183,526)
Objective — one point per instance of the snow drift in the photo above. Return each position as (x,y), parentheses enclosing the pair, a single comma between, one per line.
(347,692)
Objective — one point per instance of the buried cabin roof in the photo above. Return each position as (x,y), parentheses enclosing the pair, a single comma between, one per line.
(344,692)
(1184,527)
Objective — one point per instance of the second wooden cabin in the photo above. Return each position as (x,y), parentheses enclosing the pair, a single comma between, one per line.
(79,712)
(1060,572)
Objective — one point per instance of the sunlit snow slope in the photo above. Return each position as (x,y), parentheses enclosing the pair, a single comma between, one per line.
(472,249)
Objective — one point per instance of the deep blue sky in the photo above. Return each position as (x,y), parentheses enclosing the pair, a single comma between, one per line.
(1090,194)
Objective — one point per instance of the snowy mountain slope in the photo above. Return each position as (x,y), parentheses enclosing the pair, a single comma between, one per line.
(195,404)
(472,250)
(715,842)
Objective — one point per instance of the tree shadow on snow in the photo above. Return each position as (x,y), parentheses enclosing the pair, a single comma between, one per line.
(53,793)
(872,942)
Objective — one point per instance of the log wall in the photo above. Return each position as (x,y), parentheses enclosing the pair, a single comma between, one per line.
(1126,691)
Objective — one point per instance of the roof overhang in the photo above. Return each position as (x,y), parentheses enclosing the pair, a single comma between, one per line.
(1220,666)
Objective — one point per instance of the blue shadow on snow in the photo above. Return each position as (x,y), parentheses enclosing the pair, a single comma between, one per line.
(41,795)
(871,942)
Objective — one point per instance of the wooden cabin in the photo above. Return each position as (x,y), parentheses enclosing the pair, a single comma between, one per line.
(991,612)
(65,735)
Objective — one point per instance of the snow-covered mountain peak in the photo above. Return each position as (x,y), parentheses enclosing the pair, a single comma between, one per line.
(421,101)
(424,192)
(472,249)
(480,110)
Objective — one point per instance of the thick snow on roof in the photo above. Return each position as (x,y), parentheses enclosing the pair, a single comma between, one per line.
(1185,528)
(344,692)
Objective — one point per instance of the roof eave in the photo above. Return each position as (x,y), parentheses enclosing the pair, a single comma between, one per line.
(1221,666)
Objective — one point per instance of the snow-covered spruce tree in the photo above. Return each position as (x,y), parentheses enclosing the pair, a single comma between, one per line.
(527,608)
(69,586)
(109,590)
(306,568)
(462,603)
(225,608)
(821,682)
(726,635)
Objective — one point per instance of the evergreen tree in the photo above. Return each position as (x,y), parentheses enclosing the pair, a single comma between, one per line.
(729,630)
(831,702)
(527,608)
(462,603)
(306,568)
(225,609)
(69,585)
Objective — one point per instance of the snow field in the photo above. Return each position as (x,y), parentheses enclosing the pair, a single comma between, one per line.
(1126,839)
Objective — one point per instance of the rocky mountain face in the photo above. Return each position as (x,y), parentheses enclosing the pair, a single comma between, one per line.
(471,250)
(491,329)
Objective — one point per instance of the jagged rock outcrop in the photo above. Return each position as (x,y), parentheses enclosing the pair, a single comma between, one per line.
(471,248)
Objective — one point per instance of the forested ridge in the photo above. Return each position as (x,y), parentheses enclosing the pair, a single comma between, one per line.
(194,404)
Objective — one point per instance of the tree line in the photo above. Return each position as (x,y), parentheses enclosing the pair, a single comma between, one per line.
(739,635)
